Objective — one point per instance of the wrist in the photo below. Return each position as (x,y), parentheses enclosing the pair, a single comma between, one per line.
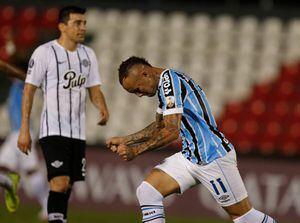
(135,151)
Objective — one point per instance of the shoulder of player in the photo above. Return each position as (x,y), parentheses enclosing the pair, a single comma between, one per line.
(43,48)
(169,74)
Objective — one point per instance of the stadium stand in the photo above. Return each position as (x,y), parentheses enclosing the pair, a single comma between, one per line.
(249,68)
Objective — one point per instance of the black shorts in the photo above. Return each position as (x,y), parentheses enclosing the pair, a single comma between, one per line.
(64,157)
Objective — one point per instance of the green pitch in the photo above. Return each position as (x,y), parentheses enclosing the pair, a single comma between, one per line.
(29,215)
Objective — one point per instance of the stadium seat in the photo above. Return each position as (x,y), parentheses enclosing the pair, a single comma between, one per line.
(49,18)
(7,15)
(28,16)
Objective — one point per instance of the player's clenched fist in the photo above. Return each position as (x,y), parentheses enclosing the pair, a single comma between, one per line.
(125,152)
(114,141)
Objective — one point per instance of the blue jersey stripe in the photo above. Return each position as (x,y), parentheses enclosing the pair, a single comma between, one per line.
(201,140)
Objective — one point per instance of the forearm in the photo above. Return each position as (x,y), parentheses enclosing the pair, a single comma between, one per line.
(27,101)
(98,100)
(141,136)
(159,138)
(13,71)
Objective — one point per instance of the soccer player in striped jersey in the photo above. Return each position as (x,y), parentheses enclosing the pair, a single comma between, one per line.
(65,69)
(207,157)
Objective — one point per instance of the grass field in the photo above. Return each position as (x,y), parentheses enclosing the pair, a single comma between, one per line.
(29,215)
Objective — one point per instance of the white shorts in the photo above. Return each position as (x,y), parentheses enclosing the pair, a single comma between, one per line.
(221,177)
(12,158)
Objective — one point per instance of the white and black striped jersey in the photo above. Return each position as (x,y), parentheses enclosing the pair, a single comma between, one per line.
(63,76)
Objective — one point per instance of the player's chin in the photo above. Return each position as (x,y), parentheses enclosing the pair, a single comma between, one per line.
(80,39)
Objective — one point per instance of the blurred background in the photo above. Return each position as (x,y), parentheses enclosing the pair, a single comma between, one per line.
(245,54)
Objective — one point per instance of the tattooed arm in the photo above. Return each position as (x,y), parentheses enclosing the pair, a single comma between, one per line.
(139,136)
(158,138)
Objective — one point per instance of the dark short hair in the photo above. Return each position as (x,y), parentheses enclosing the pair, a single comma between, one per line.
(64,13)
(127,64)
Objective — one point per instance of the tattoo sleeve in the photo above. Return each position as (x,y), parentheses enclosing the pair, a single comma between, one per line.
(162,136)
(146,133)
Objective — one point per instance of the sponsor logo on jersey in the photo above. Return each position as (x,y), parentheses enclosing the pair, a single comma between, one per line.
(73,80)
(167,85)
(85,62)
(57,163)
(224,198)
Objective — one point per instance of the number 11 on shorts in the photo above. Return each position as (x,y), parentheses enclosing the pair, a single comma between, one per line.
(212,182)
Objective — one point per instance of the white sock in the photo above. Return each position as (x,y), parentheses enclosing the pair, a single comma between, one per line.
(39,188)
(151,203)
(5,181)
(254,216)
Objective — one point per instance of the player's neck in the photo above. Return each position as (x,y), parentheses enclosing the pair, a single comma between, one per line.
(67,44)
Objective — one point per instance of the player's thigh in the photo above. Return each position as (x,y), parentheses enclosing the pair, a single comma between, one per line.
(171,176)
(222,178)
(162,182)
(57,155)
(78,161)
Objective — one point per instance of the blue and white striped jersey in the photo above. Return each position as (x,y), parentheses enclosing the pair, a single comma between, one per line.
(202,142)
(15,104)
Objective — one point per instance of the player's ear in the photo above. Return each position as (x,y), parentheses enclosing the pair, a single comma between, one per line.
(61,27)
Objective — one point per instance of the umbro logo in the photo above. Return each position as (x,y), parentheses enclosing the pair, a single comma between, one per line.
(57,164)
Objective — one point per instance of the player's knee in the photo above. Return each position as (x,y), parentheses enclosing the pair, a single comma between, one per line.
(60,184)
(147,194)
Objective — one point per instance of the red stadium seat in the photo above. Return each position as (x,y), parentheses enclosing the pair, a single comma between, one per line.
(28,16)
(27,37)
(7,15)
(3,54)
(49,18)
(289,72)
(261,91)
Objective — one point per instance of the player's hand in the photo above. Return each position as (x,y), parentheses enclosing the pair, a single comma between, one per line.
(114,141)
(125,152)
(104,116)
(24,141)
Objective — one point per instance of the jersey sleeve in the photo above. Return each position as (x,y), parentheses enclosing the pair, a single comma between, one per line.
(170,97)
(37,67)
(94,76)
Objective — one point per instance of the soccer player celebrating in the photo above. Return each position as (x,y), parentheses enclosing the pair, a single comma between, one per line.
(207,157)
(64,69)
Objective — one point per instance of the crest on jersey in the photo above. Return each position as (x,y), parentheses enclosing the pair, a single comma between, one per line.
(170,101)
(31,63)
(73,80)
(85,62)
